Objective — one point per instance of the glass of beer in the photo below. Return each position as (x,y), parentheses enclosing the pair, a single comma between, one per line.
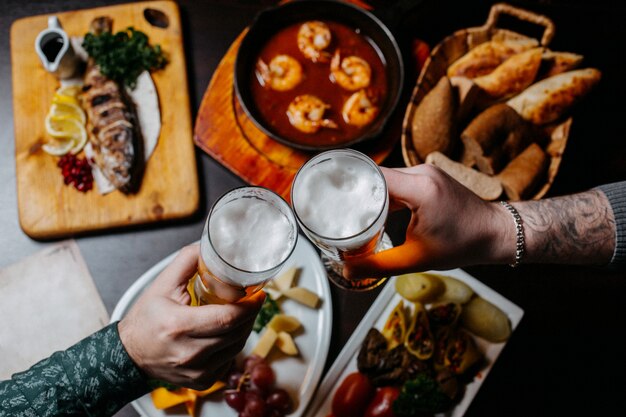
(341,202)
(249,234)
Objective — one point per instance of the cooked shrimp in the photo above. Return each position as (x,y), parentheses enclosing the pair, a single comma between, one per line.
(352,73)
(313,38)
(283,73)
(359,110)
(306,114)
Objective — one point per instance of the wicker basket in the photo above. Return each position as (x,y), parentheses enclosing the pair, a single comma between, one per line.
(455,46)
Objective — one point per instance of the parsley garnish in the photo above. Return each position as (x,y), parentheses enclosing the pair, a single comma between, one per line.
(421,396)
(268,310)
(124,55)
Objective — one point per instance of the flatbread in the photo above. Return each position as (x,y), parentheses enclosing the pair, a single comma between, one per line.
(549,99)
(553,63)
(513,75)
(486,57)
(486,187)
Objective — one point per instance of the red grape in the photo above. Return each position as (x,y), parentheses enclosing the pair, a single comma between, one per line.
(255,405)
(235,399)
(263,376)
(279,400)
(274,413)
(233,379)
(250,362)
(252,391)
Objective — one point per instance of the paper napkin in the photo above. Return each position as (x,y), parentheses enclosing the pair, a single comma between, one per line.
(48,302)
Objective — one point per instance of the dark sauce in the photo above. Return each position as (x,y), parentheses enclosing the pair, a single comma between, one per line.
(51,48)
(316,81)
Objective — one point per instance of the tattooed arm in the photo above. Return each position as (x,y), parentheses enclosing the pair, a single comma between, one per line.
(451,227)
(574,229)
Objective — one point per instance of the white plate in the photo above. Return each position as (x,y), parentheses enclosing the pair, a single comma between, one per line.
(298,375)
(377,316)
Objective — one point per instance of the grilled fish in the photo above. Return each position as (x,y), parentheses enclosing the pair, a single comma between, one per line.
(115,135)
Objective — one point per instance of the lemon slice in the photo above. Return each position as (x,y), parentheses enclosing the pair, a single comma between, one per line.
(64,99)
(58,147)
(69,90)
(79,142)
(64,126)
(69,111)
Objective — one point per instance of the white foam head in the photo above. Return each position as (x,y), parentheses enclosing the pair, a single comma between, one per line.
(250,234)
(339,196)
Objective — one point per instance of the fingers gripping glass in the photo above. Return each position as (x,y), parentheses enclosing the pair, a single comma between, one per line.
(341,202)
(248,236)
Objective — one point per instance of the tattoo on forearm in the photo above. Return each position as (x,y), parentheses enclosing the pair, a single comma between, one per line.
(575,229)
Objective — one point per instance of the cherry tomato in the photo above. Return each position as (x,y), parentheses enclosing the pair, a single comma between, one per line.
(352,396)
(382,404)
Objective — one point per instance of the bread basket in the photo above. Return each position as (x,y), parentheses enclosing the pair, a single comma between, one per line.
(456,45)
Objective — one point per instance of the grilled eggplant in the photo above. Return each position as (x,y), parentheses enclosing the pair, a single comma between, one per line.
(115,135)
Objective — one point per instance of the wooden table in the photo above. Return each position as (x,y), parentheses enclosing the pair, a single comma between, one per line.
(567,355)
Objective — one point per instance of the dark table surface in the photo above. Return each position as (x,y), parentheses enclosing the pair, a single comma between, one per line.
(566,358)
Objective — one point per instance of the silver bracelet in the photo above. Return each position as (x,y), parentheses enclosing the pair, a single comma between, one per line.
(520,245)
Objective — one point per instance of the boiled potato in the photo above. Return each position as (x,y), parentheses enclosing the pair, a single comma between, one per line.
(419,287)
(454,290)
(484,319)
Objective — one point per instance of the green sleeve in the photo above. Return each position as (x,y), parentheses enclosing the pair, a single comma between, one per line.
(95,377)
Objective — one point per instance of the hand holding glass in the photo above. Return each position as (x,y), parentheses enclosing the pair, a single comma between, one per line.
(248,236)
(341,202)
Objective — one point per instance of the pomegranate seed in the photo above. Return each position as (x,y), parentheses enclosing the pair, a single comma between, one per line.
(76,171)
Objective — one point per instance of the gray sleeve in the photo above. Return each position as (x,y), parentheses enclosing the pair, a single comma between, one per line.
(616,194)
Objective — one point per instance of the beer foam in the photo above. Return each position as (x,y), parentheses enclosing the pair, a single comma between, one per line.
(251,234)
(339,197)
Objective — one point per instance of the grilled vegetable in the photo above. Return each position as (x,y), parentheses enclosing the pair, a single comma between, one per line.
(387,367)
(443,314)
(419,339)
(395,327)
(442,340)
(461,353)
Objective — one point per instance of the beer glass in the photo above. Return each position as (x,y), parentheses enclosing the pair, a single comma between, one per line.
(341,202)
(249,234)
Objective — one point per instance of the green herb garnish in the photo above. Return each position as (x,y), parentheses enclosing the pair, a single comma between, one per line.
(419,396)
(124,55)
(268,310)
(155,383)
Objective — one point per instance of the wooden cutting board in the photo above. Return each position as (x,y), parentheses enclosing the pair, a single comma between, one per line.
(169,190)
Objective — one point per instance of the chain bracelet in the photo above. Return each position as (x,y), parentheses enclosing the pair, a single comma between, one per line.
(520,243)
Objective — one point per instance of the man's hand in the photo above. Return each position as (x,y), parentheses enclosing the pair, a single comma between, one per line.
(187,346)
(450,226)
